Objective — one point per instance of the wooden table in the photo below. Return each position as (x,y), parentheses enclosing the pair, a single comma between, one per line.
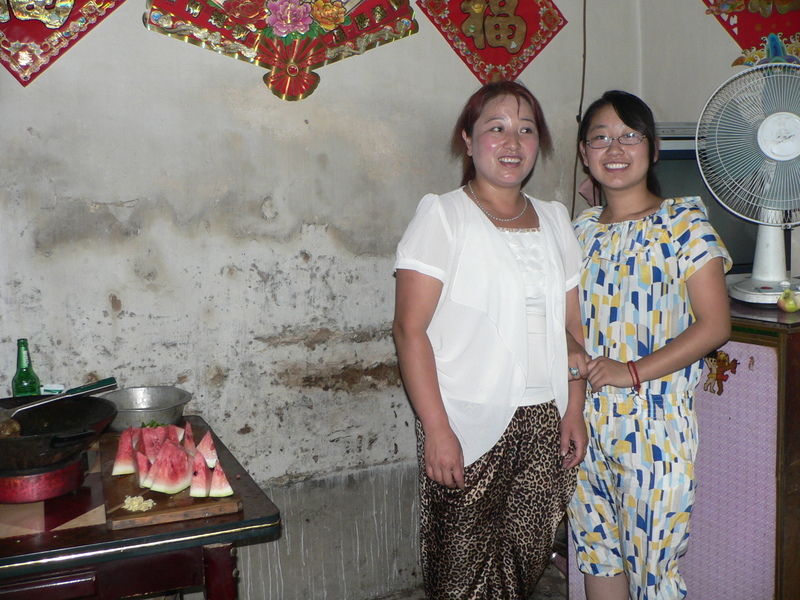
(62,549)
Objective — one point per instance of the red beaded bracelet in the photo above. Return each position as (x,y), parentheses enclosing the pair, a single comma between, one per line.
(637,383)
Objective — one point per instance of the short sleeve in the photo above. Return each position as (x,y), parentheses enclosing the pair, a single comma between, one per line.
(572,250)
(696,238)
(426,244)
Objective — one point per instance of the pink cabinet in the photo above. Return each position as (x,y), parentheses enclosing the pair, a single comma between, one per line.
(745,530)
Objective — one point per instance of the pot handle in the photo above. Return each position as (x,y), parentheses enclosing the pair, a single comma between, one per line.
(63,441)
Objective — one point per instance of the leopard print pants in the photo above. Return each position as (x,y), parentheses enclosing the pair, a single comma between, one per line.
(493,540)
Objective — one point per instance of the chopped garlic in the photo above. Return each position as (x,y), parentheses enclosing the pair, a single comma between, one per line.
(137,504)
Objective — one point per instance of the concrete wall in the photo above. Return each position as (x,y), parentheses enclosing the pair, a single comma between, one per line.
(167,220)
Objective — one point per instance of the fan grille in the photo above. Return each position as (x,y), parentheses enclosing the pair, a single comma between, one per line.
(755,184)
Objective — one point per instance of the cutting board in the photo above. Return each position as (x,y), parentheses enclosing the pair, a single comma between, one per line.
(168,508)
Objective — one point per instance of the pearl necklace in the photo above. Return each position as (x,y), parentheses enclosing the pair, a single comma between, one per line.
(490,215)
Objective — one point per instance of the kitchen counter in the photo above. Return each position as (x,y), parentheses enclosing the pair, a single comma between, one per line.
(62,548)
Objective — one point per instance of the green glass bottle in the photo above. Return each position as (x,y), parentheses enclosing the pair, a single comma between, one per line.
(25,381)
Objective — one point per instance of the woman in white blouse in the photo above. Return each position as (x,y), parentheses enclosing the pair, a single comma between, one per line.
(486,290)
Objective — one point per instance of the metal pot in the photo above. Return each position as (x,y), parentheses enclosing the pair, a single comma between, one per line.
(53,433)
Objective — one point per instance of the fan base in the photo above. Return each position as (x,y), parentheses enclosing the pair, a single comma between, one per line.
(744,288)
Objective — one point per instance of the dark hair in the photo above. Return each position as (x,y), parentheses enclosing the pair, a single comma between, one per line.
(472,111)
(636,115)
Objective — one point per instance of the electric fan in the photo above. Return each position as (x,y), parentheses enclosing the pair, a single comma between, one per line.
(748,151)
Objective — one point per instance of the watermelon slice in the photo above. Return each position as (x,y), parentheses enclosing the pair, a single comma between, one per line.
(201,477)
(136,435)
(219,483)
(174,433)
(188,439)
(207,449)
(152,439)
(124,463)
(142,466)
(148,478)
(173,469)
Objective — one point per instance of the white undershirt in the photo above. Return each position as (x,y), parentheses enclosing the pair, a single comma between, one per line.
(527,247)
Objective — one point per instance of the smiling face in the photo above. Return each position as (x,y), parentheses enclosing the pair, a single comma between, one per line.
(617,167)
(504,143)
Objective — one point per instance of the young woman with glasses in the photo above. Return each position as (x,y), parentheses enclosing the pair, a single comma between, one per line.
(654,303)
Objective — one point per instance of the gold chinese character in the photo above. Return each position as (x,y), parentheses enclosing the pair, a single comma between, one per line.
(193,7)
(217,19)
(362,21)
(239,32)
(52,14)
(338,35)
(378,13)
(473,26)
(498,28)
(505,28)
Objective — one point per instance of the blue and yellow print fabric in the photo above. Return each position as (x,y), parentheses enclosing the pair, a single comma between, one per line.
(636,487)
(633,283)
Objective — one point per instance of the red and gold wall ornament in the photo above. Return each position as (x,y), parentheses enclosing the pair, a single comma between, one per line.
(496,39)
(34,33)
(764,29)
(290,38)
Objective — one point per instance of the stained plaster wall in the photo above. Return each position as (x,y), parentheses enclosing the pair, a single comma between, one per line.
(167,220)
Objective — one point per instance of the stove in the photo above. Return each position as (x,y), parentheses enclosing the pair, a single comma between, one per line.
(44,483)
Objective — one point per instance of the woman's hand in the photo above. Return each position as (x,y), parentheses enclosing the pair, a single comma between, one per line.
(607,371)
(574,439)
(444,460)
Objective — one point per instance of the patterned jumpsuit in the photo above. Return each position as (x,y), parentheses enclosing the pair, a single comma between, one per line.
(636,487)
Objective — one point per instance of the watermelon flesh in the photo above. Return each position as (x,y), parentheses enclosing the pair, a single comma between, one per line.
(124,462)
(201,477)
(188,439)
(174,433)
(173,469)
(208,450)
(219,483)
(152,438)
(142,466)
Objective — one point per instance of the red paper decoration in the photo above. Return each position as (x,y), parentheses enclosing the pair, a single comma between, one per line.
(496,39)
(290,38)
(34,34)
(761,28)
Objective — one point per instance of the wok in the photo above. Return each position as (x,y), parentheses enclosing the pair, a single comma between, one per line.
(53,433)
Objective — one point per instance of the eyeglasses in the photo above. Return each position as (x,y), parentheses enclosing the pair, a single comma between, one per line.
(626,139)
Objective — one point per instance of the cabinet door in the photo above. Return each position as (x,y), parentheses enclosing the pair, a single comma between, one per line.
(732,538)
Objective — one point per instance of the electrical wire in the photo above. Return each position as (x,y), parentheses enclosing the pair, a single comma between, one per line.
(580,112)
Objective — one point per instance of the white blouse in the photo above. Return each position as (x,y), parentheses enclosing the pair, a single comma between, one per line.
(479,327)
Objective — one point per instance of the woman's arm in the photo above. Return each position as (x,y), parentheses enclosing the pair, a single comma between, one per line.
(708,295)
(415,302)
(574,438)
